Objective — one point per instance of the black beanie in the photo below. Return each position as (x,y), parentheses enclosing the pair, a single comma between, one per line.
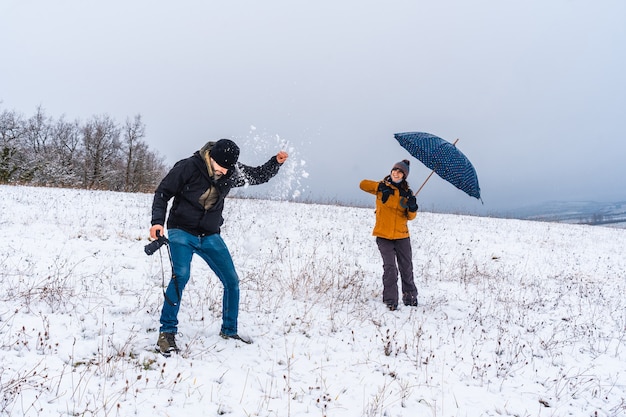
(225,152)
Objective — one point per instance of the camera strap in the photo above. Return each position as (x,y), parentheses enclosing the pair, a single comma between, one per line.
(178,294)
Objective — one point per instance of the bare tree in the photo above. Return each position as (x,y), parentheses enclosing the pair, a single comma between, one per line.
(134,150)
(143,168)
(153,171)
(68,152)
(148,169)
(11,136)
(42,158)
(39,132)
(102,153)
(42,151)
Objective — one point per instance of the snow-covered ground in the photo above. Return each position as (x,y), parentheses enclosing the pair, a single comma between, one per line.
(516,318)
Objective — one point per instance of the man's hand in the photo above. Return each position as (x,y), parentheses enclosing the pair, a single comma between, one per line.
(282,156)
(156,229)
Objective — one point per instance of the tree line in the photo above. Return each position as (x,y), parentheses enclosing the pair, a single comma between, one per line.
(98,153)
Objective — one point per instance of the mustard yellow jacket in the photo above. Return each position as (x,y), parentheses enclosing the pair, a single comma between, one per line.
(391,216)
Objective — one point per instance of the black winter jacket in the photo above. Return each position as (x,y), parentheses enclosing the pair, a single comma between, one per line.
(188,180)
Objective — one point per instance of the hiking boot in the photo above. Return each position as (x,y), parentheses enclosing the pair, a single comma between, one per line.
(409,300)
(392,307)
(244,339)
(167,344)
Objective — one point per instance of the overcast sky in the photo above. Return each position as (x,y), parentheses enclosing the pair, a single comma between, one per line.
(534,90)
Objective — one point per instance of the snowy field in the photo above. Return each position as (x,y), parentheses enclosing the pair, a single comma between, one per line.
(516,318)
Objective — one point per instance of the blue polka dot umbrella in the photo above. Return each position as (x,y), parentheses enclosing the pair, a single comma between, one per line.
(444,158)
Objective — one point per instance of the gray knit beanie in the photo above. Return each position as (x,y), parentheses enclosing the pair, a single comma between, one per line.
(403,166)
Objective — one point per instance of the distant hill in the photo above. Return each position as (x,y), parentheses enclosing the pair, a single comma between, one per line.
(579,212)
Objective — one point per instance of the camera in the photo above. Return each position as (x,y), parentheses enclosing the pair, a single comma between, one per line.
(155,245)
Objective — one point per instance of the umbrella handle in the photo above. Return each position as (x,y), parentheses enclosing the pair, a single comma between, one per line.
(431,174)
(424,183)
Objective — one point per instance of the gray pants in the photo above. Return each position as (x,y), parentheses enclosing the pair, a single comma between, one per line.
(400,251)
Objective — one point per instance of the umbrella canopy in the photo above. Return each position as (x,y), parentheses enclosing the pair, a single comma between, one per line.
(442,157)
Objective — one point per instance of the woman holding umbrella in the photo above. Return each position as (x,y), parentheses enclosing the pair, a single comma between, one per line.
(395,206)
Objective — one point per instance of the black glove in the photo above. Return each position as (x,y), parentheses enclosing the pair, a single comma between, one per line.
(412,203)
(385,190)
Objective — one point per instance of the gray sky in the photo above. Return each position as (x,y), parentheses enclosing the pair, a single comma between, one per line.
(535,90)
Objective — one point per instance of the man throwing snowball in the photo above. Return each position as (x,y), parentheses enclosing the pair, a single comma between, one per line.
(199,185)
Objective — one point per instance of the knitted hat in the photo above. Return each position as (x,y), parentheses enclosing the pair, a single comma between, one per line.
(225,152)
(403,166)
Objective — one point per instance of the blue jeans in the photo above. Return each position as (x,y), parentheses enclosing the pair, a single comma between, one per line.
(215,253)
